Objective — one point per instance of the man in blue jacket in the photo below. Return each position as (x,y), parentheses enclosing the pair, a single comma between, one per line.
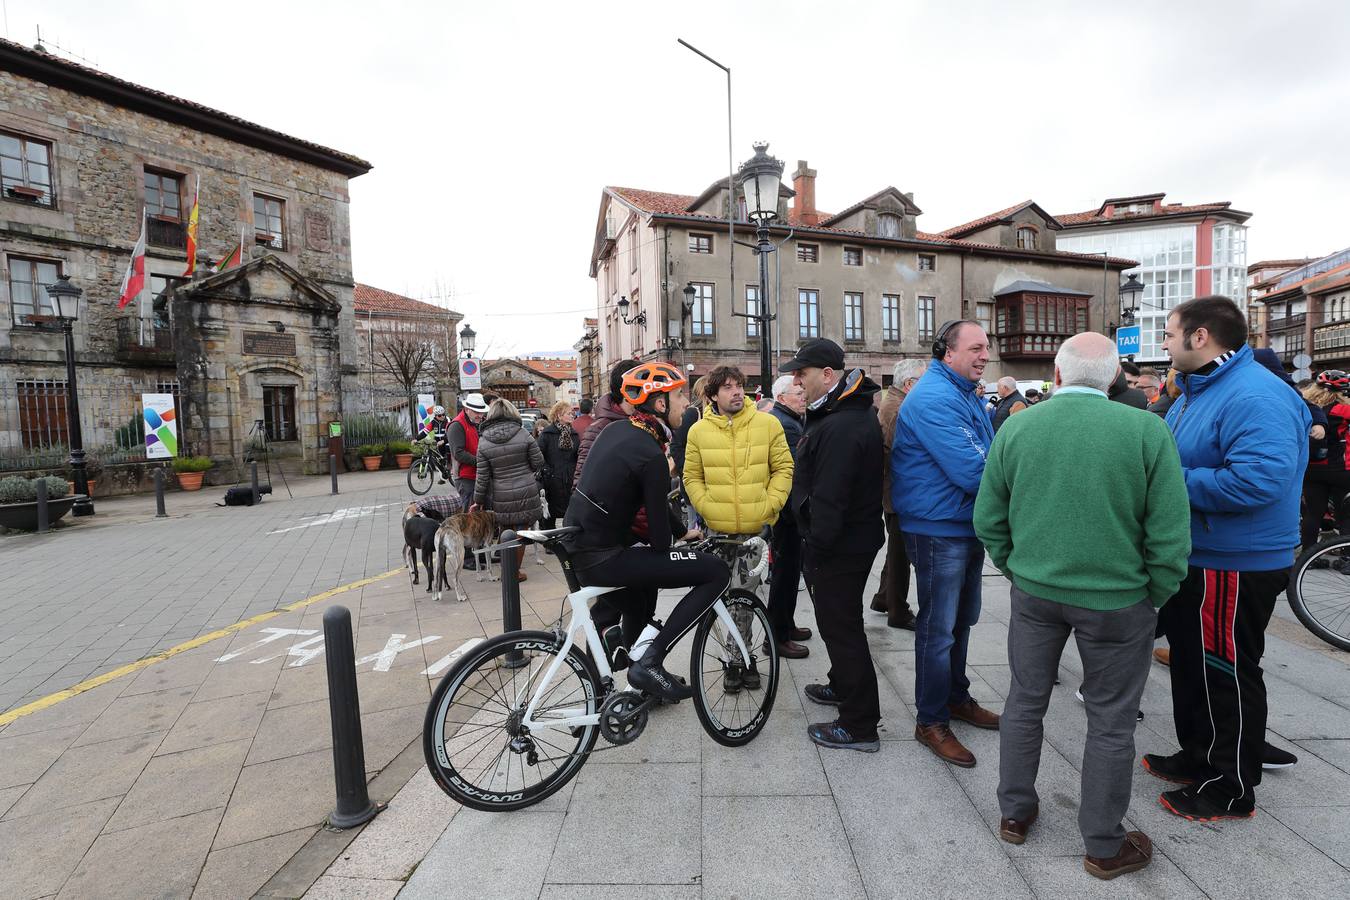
(937,458)
(1243,440)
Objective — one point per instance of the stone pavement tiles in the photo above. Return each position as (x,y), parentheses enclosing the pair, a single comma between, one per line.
(676,815)
(202,774)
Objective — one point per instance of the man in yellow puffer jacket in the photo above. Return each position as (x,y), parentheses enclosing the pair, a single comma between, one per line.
(737,465)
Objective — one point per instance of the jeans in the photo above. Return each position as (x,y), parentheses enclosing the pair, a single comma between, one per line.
(947,574)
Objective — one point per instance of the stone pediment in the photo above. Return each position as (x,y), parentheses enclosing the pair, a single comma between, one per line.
(265,280)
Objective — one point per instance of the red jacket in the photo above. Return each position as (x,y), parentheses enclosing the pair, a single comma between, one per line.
(467,472)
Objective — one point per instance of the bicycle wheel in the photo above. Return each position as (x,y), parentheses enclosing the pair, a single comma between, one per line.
(731,712)
(421,475)
(474,744)
(1319,591)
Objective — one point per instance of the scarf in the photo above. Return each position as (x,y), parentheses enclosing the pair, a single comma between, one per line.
(650,424)
(564,436)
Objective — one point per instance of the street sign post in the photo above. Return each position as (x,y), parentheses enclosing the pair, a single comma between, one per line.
(1127,340)
(470,375)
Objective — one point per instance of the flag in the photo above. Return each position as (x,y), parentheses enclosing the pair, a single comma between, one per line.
(192,230)
(134,280)
(234,257)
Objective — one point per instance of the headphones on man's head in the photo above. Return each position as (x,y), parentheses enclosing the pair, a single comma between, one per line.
(940,347)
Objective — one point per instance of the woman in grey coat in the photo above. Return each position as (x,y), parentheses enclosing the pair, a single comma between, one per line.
(509,463)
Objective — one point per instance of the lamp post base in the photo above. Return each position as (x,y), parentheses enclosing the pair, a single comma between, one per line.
(83,507)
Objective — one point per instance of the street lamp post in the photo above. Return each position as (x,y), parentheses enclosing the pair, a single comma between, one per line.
(467,338)
(1130,292)
(761,178)
(65,298)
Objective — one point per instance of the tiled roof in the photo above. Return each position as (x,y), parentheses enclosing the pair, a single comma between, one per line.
(995,217)
(1280,263)
(657,202)
(560,367)
(374,300)
(1095,216)
(533,364)
(1343,270)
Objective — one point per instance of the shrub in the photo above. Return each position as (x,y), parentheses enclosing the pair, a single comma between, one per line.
(370,450)
(359,428)
(400,446)
(24,490)
(56,487)
(192,463)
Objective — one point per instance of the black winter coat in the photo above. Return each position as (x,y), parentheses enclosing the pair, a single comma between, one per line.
(559,466)
(508,466)
(839,513)
(1121,392)
(607,412)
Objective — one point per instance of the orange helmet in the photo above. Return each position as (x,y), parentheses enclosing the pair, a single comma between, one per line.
(642,381)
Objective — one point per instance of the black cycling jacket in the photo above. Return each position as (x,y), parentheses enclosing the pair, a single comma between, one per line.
(626,471)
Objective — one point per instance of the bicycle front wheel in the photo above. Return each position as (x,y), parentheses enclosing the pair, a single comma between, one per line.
(1319,591)
(734,702)
(476,748)
(421,475)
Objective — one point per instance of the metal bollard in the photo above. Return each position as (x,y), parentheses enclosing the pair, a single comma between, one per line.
(349,754)
(332,471)
(510,595)
(253,468)
(44,517)
(159,495)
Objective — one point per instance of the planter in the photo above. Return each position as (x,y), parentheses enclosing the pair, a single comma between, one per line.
(24,515)
(372,463)
(190,481)
(72,486)
(404,460)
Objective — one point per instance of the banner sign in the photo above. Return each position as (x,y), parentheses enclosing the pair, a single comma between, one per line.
(424,404)
(470,375)
(161,426)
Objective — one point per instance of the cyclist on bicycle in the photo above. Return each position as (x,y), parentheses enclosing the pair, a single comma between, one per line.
(627,471)
(437,428)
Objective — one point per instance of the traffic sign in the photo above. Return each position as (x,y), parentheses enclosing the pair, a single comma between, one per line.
(1302,361)
(470,375)
(1127,340)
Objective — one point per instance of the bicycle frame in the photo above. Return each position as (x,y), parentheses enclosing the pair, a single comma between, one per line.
(580,603)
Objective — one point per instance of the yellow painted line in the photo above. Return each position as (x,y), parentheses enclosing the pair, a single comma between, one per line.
(53,699)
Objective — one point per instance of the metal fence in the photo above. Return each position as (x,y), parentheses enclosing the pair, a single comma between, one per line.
(376,415)
(35,429)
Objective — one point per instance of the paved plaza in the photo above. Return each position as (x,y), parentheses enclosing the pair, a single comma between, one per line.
(209,773)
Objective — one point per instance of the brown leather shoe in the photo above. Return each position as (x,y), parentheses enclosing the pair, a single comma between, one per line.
(793,650)
(1014,831)
(1163,655)
(943,743)
(878,603)
(902,619)
(799,634)
(975,714)
(1135,854)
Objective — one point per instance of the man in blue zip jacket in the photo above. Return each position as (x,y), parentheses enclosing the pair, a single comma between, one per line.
(941,440)
(1243,440)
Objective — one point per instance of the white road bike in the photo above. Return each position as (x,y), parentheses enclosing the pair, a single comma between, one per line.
(516,718)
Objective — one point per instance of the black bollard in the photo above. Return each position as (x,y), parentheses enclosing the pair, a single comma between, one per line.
(510,594)
(349,755)
(44,517)
(253,468)
(332,471)
(159,495)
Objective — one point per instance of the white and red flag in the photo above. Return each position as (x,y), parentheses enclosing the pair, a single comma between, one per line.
(134,280)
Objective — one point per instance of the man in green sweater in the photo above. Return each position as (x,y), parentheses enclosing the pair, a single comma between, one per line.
(1084,507)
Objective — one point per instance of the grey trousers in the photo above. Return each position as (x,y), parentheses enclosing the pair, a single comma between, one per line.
(1115,646)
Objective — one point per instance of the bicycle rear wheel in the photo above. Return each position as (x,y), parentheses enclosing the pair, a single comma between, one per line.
(732,711)
(475,747)
(1319,591)
(421,475)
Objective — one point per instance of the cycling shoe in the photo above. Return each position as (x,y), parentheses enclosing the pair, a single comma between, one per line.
(655,680)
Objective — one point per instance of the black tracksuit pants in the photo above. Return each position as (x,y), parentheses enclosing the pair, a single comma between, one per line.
(837,583)
(1216,626)
(1321,484)
(785,577)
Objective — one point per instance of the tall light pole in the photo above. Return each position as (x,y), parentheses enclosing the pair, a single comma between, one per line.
(65,298)
(761,179)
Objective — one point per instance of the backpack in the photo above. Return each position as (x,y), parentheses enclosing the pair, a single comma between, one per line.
(243,496)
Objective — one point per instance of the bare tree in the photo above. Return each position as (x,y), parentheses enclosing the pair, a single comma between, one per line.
(407,358)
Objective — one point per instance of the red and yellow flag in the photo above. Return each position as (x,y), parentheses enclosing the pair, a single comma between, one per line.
(192,230)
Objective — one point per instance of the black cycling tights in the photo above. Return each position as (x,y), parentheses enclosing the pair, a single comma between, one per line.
(644,568)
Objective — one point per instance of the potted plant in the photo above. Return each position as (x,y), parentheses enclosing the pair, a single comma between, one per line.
(403,453)
(371,455)
(92,469)
(191,470)
(18,501)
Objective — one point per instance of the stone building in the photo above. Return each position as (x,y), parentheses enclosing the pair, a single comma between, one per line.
(522,382)
(866,277)
(270,340)
(589,361)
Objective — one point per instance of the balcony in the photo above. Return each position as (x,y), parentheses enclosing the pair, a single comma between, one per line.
(1331,341)
(1286,323)
(157,349)
(1030,346)
(161,231)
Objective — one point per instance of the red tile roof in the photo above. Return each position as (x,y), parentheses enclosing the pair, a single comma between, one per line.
(374,300)
(1343,269)
(1280,263)
(1096,217)
(657,202)
(995,217)
(563,368)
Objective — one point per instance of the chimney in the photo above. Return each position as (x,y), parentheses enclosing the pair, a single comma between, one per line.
(804,205)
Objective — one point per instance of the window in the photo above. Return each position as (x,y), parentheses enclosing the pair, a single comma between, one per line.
(751,308)
(163,195)
(26,170)
(853,317)
(633,249)
(279,413)
(984,315)
(42,414)
(269,225)
(701,316)
(927,309)
(888,225)
(1036,324)
(808,314)
(700,243)
(927,262)
(853,256)
(890,317)
(808,253)
(1026,238)
(28,280)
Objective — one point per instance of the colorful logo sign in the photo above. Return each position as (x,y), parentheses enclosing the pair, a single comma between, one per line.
(161,426)
(424,404)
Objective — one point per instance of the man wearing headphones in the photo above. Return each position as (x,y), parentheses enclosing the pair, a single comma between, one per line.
(937,458)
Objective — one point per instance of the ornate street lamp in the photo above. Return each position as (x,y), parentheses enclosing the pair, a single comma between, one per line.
(761,178)
(65,298)
(639,319)
(467,336)
(1130,292)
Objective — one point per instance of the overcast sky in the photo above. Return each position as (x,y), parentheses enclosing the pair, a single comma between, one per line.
(493,127)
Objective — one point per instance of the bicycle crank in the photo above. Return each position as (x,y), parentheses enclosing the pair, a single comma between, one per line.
(623,716)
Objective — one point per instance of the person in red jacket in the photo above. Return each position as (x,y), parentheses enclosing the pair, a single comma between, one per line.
(462,436)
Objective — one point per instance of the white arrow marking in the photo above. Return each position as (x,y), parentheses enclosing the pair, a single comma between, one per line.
(273,634)
(303,652)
